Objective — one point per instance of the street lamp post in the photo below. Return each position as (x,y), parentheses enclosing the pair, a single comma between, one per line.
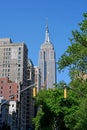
(12,96)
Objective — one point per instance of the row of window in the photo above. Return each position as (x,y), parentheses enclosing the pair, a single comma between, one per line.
(46,54)
(9,49)
(1,92)
(9,87)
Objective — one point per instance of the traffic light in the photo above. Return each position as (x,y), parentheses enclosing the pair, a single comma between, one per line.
(65,92)
(34,91)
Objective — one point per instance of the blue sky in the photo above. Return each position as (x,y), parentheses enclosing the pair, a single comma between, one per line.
(25,21)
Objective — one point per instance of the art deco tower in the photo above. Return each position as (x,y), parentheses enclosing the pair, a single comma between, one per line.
(47,62)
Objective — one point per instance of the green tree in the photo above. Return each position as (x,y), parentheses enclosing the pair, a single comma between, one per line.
(54,109)
(75,57)
(81,120)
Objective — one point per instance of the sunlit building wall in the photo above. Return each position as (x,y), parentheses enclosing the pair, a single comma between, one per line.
(47,63)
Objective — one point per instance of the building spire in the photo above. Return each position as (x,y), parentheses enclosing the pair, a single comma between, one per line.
(47,34)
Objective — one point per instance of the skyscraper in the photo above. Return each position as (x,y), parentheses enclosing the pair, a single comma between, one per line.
(13,64)
(47,62)
(13,60)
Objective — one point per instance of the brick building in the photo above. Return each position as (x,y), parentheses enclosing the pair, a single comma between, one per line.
(8,88)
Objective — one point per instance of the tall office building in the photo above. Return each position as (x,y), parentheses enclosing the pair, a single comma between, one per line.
(13,60)
(13,64)
(47,63)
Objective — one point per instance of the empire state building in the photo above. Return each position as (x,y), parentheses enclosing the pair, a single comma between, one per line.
(47,63)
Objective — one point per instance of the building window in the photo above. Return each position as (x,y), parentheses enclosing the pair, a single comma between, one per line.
(19,52)
(6,49)
(9,53)
(8,70)
(12,105)
(2,74)
(18,73)
(9,49)
(10,91)
(2,82)
(44,55)
(19,48)
(18,69)
(19,57)
(8,65)
(10,87)
(40,55)
(1,87)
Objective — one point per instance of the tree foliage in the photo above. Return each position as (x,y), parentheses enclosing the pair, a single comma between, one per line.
(54,109)
(75,57)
